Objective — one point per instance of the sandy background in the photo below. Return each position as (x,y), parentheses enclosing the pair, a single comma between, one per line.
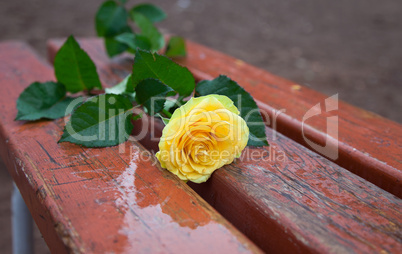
(353,48)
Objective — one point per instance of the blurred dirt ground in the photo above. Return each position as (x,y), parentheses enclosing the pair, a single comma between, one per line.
(353,48)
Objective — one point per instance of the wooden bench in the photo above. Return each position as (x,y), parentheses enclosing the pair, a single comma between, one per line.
(372,153)
(304,203)
(99,200)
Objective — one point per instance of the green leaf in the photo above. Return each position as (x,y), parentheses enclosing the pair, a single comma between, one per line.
(151,93)
(249,111)
(134,41)
(121,87)
(101,121)
(114,47)
(137,117)
(148,65)
(43,100)
(111,19)
(74,68)
(150,11)
(176,47)
(165,120)
(172,104)
(149,31)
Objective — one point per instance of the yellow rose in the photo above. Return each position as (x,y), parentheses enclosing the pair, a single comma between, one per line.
(202,135)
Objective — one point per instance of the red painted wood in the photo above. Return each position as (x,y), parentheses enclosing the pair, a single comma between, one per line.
(289,199)
(369,145)
(109,200)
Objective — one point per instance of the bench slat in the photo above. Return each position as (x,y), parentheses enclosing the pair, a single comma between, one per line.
(100,200)
(304,203)
(373,152)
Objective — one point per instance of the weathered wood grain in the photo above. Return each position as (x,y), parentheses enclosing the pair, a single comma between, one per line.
(297,194)
(109,200)
(286,198)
